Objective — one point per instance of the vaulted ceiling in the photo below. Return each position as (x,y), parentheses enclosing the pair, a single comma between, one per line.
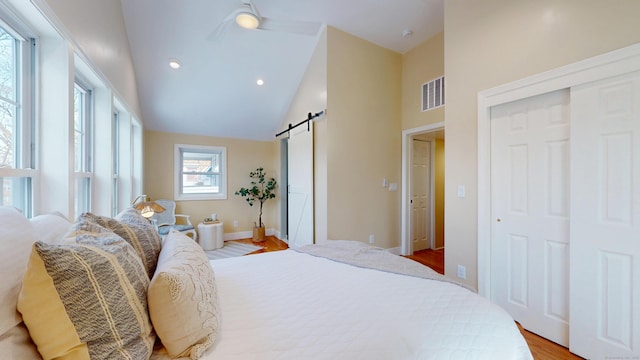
(214,92)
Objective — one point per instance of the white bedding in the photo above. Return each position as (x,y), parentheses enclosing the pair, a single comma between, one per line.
(290,305)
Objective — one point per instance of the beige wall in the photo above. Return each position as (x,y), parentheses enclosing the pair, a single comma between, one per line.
(363,139)
(97,27)
(421,64)
(311,96)
(243,156)
(492,42)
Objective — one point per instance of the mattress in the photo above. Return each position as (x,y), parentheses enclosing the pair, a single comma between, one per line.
(292,305)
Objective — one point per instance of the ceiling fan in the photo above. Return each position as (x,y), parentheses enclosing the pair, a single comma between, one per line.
(248,17)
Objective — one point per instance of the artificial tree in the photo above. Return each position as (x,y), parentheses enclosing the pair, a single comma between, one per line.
(261,190)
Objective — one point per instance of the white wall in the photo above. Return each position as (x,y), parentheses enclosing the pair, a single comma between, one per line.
(97,27)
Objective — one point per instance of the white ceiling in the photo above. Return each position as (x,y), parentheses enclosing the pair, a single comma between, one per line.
(214,93)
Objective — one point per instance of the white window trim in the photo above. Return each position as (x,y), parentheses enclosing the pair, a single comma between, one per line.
(177,166)
(26,74)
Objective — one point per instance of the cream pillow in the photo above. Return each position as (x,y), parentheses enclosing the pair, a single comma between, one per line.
(87,300)
(136,230)
(183,301)
(16,344)
(51,228)
(16,238)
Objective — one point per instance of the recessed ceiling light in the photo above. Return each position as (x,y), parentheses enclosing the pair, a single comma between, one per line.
(407,33)
(260,82)
(174,64)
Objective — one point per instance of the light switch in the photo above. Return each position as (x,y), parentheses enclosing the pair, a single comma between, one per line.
(461,191)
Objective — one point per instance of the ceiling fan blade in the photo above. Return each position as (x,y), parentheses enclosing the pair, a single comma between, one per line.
(219,31)
(294,27)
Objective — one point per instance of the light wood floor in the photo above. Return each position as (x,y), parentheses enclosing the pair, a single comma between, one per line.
(271,243)
(541,348)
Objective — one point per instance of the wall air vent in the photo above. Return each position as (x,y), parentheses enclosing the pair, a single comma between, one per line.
(433,94)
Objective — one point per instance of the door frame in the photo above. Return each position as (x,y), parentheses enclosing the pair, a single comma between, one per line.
(614,63)
(406,246)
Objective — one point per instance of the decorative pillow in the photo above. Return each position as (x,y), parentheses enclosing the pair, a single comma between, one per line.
(183,300)
(88,299)
(136,230)
(16,238)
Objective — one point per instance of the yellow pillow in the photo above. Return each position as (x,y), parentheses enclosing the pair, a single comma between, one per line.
(87,300)
(183,300)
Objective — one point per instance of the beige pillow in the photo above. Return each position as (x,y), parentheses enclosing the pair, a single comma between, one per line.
(87,300)
(51,228)
(16,344)
(136,230)
(183,301)
(16,238)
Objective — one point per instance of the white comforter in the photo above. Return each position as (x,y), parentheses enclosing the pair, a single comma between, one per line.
(290,305)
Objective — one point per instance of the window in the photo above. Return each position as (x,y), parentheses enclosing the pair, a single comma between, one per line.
(201,172)
(115,165)
(82,125)
(16,120)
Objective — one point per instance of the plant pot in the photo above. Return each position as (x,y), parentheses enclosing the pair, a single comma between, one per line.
(258,234)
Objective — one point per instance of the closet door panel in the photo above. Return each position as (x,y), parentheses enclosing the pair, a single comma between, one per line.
(530,211)
(605,218)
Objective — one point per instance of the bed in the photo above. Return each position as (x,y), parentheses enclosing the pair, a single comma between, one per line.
(299,304)
(150,298)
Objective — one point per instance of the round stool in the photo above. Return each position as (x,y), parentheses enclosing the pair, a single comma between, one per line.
(211,235)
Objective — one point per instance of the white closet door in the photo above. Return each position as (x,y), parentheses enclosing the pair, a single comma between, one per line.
(530,211)
(605,219)
(300,169)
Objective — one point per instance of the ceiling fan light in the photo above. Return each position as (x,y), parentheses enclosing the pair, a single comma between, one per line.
(247,20)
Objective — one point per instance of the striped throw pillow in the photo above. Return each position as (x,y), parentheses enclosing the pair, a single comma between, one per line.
(87,300)
(136,230)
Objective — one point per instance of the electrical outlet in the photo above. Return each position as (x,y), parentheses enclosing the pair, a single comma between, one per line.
(372,239)
(462,272)
(235,223)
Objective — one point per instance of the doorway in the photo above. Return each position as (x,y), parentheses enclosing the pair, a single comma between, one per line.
(422,188)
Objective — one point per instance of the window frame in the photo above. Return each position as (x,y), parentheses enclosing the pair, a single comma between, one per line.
(84,173)
(22,173)
(115,163)
(179,149)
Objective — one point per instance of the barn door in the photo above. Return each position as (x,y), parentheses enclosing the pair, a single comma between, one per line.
(530,212)
(605,219)
(300,179)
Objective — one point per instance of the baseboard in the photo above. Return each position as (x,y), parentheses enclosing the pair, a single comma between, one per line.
(395,250)
(249,234)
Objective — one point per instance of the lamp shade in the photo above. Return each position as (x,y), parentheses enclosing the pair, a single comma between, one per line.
(145,207)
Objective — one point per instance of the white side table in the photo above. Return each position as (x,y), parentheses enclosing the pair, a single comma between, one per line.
(211,235)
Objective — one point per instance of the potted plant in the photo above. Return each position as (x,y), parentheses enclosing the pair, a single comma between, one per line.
(261,190)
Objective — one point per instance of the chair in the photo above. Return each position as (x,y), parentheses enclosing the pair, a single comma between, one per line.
(166,220)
